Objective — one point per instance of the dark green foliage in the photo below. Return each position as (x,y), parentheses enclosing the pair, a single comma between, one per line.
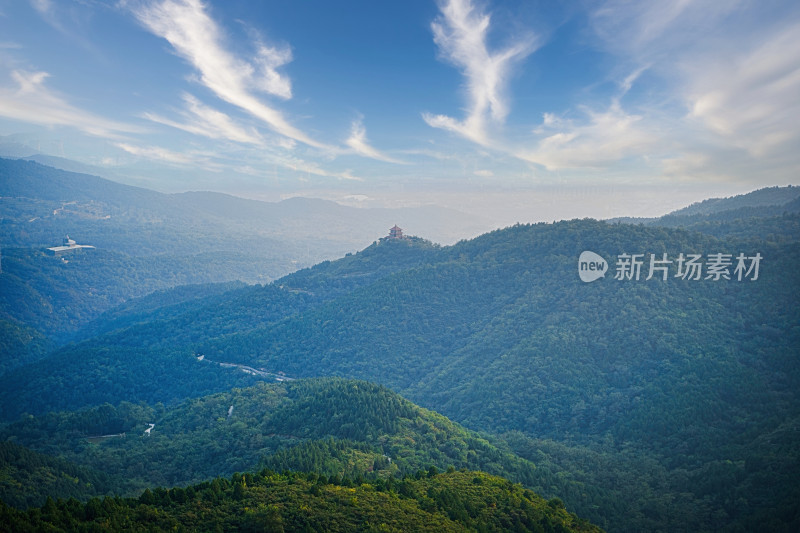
(146,347)
(685,392)
(299,502)
(333,427)
(56,298)
(20,344)
(771,214)
(26,477)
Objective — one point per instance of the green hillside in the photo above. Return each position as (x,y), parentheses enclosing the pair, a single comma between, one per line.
(771,214)
(694,381)
(454,501)
(328,426)
(147,241)
(57,297)
(767,197)
(27,477)
(346,431)
(20,344)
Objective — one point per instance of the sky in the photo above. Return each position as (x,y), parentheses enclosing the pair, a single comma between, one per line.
(514,110)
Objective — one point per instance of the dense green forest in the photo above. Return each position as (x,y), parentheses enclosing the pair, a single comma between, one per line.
(267,501)
(329,426)
(148,241)
(343,430)
(58,297)
(28,477)
(644,404)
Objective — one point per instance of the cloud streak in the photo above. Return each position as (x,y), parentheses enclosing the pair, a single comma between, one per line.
(196,38)
(157,153)
(733,66)
(200,119)
(751,100)
(32,101)
(602,139)
(461,33)
(359,144)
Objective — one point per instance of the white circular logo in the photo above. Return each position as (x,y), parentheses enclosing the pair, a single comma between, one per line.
(591,266)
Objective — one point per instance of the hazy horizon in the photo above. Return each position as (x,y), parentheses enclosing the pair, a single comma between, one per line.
(513,111)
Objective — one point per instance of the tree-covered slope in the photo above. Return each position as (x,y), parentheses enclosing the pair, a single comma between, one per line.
(771,213)
(506,317)
(147,241)
(343,430)
(329,426)
(172,322)
(500,333)
(453,501)
(20,344)
(27,477)
(761,198)
(57,297)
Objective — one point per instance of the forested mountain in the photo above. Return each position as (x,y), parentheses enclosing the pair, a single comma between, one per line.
(684,389)
(767,197)
(453,501)
(653,398)
(771,214)
(332,427)
(28,477)
(41,204)
(147,241)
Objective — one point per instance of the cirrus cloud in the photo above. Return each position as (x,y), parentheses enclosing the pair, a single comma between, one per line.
(195,37)
(602,139)
(32,101)
(359,144)
(200,119)
(461,33)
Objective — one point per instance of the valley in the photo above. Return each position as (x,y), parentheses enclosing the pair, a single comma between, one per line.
(666,403)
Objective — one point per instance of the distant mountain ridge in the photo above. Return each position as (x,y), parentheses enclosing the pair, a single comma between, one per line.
(765,202)
(149,241)
(667,403)
(771,213)
(768,196)
(298,219)
(500,334)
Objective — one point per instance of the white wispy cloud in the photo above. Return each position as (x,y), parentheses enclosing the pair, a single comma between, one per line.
(200,119)
(598,140)
(358,142)
(158,153)
(46,10)
(68,18)
(31,101)
(752,99)
(652,32)
(195,36)
(309,168)
(461,33)
(734,69)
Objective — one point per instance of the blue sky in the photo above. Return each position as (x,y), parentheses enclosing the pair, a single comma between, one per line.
(515,110)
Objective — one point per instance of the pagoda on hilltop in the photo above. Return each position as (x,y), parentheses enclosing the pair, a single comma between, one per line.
(396,232)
